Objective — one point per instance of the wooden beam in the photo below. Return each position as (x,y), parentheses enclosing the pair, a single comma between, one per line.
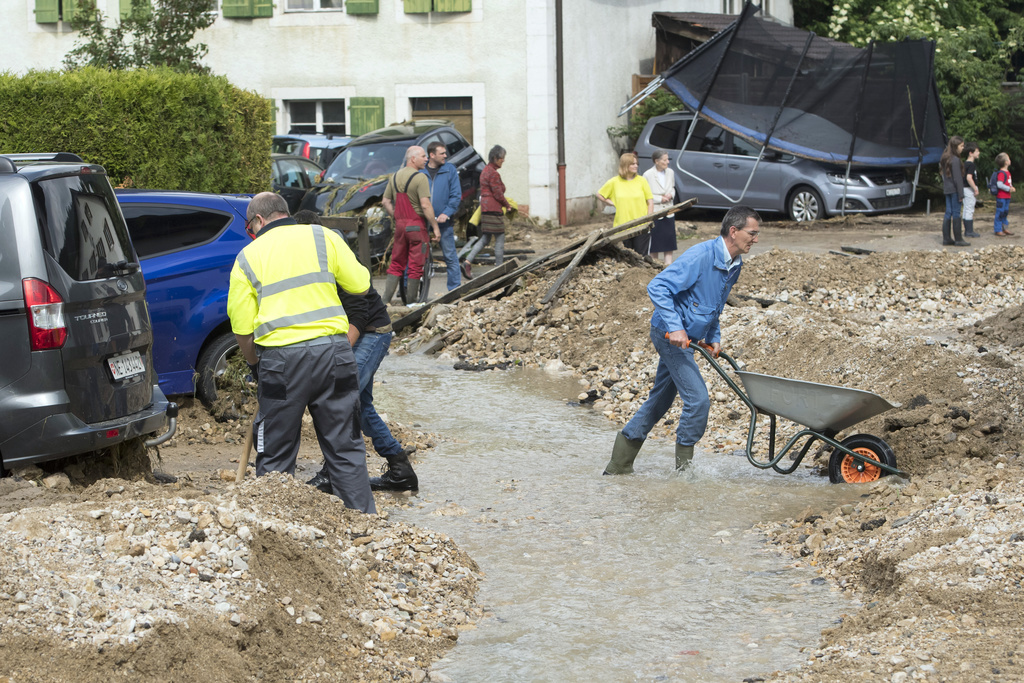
(580,253)
(459,292)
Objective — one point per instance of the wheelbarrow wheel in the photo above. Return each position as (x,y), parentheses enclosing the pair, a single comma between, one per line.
(846,469)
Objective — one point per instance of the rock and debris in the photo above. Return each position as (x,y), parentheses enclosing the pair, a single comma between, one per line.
(933,565)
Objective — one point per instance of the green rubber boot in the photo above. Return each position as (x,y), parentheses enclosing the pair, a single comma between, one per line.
(412,291)
(623,454)
(684,455)
(389,289)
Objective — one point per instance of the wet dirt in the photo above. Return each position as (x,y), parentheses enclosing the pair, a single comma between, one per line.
(935,330)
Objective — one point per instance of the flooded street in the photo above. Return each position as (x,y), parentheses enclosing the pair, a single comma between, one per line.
(648,577)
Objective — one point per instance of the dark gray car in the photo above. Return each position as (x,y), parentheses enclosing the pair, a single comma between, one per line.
(75,333)
(716,166)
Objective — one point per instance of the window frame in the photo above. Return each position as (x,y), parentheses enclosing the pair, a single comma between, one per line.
(228,218)
(319,123)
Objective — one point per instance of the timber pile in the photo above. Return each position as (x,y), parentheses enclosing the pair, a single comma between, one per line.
(506,278)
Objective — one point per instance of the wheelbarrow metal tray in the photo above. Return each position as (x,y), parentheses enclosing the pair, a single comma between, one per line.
(820,407)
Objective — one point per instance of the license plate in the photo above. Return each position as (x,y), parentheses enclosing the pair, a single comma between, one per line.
(128,365)
(893,192)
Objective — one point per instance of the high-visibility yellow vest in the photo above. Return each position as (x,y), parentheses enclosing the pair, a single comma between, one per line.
(284,285)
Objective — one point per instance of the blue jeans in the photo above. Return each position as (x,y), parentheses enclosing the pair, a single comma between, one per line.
(677,374)
(1002,212)
(370,350)
(953,205)
(451,254)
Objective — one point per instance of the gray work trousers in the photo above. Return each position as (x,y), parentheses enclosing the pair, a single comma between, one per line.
(319,374)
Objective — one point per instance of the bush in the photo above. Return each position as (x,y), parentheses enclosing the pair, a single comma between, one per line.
(151,128)
(661,102)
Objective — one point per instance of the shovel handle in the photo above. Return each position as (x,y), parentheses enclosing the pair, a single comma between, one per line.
(243,462)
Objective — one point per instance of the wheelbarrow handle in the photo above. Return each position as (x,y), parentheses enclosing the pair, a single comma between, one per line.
(704,345)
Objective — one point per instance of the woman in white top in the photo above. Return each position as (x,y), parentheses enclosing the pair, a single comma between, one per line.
(662,180)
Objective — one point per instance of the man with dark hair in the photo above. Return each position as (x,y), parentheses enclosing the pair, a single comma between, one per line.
(369,332)
(445,195)
(292,330)
(688,298)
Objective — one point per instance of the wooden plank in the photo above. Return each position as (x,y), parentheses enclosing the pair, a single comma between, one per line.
(858,250)
(580,253)
(455,294)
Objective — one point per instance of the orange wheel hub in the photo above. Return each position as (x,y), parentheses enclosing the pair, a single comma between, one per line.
(856,472)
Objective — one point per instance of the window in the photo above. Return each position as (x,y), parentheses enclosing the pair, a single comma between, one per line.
(52,11)
(458,110)
(666,135)
(425,6)
(452,143)
(311,5)
(316,116)
(162,229)
(707,138)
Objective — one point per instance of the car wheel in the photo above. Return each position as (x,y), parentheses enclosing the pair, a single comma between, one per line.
(805,205)
(213,361)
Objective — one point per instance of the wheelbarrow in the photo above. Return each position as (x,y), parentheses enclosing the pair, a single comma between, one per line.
(824,410)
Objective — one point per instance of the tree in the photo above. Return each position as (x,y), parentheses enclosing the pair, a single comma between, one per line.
(157,33)
(975,43)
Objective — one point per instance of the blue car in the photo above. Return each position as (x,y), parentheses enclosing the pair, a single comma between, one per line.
(187,243)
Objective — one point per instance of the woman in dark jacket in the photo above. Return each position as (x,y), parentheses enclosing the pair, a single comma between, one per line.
(952,171)
(492,201)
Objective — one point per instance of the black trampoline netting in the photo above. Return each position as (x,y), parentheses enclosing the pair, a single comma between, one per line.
(814,97)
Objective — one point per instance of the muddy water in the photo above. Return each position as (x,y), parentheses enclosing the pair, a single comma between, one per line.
(650,577)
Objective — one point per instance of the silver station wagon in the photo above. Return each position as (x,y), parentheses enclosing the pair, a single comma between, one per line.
(805,190)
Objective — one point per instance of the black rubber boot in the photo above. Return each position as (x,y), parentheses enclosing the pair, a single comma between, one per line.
(399,476)
(389,289)
(946,241)
(623,454)
(321,481)
(958,241)
(969,228)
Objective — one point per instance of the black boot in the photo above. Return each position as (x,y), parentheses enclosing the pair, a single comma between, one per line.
(399,475)
(946,241)
(969,228)
(321,481)
(958,241)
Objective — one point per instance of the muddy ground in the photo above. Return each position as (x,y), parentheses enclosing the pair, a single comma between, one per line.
(106,574)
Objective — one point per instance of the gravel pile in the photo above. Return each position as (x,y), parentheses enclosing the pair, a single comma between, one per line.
(107,575)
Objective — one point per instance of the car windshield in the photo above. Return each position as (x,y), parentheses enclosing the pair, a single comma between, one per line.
(363,162)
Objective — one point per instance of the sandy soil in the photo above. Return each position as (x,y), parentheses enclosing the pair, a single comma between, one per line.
(937,331)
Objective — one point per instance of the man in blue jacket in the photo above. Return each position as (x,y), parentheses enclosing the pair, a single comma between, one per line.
(445,195)
(688,298)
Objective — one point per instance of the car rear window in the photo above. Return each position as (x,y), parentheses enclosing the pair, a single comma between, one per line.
(159,229)
(666,135)
(83,228)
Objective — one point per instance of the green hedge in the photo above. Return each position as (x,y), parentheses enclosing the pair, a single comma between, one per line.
(150,128)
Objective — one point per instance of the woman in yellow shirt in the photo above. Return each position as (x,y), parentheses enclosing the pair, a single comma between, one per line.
(631,196)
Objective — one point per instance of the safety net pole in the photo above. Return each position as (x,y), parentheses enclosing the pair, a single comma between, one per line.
(856,125)
(924,120)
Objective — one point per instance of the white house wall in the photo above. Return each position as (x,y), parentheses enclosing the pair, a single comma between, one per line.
(501,54)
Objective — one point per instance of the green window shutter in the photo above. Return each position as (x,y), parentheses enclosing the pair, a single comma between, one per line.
(417,6)
(237,9)
(263,8)
(362,6)
(47,12)
(70,8)
(453,5)
(366,114)
(126,8)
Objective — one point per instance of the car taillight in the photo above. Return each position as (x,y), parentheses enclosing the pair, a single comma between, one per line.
(46,328)
(305,149)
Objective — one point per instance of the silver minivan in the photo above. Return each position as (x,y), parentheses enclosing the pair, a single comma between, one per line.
(716,166)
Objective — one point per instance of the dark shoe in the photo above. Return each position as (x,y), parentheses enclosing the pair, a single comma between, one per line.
(947,243)
(971,234)
(399,476)
(961,243)
(321,482)
(467,270)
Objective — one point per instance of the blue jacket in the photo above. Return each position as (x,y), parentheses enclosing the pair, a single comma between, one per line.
(690,294)
(445,189)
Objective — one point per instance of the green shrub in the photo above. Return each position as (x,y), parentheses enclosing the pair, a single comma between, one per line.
(151,128)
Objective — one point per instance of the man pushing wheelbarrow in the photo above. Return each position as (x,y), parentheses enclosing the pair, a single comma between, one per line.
(688,298)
